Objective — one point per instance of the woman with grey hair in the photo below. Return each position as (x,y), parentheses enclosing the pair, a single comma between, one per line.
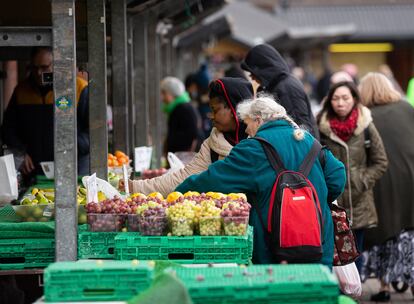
(246,169)
(256,112)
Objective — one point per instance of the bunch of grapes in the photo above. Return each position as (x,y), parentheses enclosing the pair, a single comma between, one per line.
(235,216)
(107,215)
(153,221)
(210,221)
(181,218)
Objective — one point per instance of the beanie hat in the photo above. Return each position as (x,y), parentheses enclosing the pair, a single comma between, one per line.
(173,86)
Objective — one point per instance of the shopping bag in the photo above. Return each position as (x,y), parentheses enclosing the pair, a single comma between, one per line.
(8,180)
(345,249)
(102,186)
(349,280)
(175,162)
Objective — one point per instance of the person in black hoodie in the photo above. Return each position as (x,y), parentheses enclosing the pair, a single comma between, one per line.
(267,67)
(225,94)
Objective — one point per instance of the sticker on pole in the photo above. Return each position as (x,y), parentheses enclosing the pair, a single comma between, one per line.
(142,160)
(63,103)
(92,189)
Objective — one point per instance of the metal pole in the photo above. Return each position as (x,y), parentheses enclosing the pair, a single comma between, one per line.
(64,79)
(119,75)
(140,75)
(131,104)
(153,88)
(97,87)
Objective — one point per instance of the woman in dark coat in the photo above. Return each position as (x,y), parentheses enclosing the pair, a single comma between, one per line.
(390,259)
(343,123)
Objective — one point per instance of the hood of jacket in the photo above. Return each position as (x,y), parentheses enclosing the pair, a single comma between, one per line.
(266,64)
(364,119)
(218,143)
(235,91)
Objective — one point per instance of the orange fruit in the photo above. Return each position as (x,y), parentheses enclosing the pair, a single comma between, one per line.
(115,163)
(110,163)
(110,155)
(122,160)
(119,154)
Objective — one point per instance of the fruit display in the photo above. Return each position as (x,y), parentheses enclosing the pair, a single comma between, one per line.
(181,217)
(146,174)
(117,159)
(103,222)
(38,205)
(179,214)
(235,216)
(210,220)
(153,221)
(107,215)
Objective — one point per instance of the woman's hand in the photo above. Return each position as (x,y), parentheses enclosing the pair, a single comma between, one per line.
(121,185)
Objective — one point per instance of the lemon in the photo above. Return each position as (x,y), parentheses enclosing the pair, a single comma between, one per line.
(191,193)
(156,195)
(173,196)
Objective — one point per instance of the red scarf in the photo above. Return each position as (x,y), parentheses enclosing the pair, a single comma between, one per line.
(344,129)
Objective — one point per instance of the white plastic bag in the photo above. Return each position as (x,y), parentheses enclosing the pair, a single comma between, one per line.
(349,280)
(175,162)
(8,180)
(142,158)
(103,186)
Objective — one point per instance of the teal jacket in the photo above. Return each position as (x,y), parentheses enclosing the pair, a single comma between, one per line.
(247,170)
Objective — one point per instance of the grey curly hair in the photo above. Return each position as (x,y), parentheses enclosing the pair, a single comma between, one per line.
(267,109)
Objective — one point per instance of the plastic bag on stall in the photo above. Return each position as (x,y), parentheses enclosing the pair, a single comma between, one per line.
(103,186)
(349,280)
(175,162)
(8,180)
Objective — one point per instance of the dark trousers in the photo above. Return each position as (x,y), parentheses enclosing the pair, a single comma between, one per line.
(359,239)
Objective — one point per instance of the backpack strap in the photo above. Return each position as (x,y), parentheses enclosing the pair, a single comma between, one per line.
(271,154)
(307,164)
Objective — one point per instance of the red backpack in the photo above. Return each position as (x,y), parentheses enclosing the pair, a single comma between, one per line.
(294,223)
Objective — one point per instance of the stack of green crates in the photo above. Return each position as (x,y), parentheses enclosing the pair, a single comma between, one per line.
(26,253)
(96,280)
(185,249)
(260,284)
(95,245)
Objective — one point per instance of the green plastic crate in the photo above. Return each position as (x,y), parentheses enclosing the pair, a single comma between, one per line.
(260,284)
(26,253)
(96,245)
(187,249)
(96,280)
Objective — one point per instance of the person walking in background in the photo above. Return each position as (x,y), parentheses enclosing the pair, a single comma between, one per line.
(344,124)
(392,249)
(184,132)
(267,67)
